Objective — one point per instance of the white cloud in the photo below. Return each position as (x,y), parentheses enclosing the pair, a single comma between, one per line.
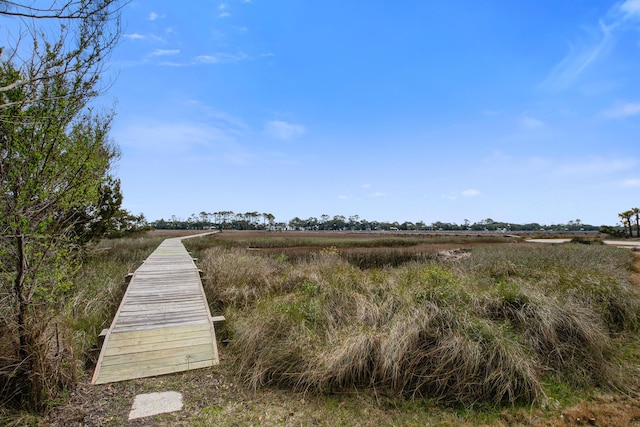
(222,8)
(134,36)
(221,57)
(632,183)
(164,52)
(173,64)
(470,193)
(179,136)
(154,16)
(622,110)
(579,59)
(218,58)
(279,129)
(207,59)
(377,194)
(182,140)
(631,9)
(220,117)
(597,41)
(465,193)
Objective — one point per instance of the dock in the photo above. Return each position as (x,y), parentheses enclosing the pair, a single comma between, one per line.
(163,324)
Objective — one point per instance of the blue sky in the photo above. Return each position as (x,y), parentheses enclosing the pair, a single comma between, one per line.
(520,111)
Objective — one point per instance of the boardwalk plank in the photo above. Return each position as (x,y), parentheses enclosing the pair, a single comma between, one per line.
(160,333)
(150,371)
(125,348)
(154,357)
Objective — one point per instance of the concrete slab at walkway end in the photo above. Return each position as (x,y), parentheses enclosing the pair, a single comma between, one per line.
(146,405)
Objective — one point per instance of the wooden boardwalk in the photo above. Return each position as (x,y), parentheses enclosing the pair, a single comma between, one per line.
(163,324)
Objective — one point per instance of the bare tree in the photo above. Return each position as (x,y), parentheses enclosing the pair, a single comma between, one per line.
(75,43)
(68,9)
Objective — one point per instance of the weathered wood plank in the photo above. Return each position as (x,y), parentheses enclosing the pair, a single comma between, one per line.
(159,333)
(174,354)
(186,343)
(134,345)
(150,371)
(130,327)
(155,320)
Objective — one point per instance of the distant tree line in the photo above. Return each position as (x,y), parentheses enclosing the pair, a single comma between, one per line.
(229,220)
(223,220)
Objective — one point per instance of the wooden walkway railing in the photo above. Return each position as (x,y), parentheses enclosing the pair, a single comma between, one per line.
(163,324)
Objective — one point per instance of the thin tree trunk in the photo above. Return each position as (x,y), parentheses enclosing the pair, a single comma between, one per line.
(23,371)
(18,291)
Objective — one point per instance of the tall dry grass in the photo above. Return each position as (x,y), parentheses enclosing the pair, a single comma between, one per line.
(493,327)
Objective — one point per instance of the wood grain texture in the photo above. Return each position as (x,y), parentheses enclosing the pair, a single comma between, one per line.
(163,324)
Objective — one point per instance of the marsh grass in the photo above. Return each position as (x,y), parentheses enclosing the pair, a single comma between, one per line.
(495,327)
(343,240)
